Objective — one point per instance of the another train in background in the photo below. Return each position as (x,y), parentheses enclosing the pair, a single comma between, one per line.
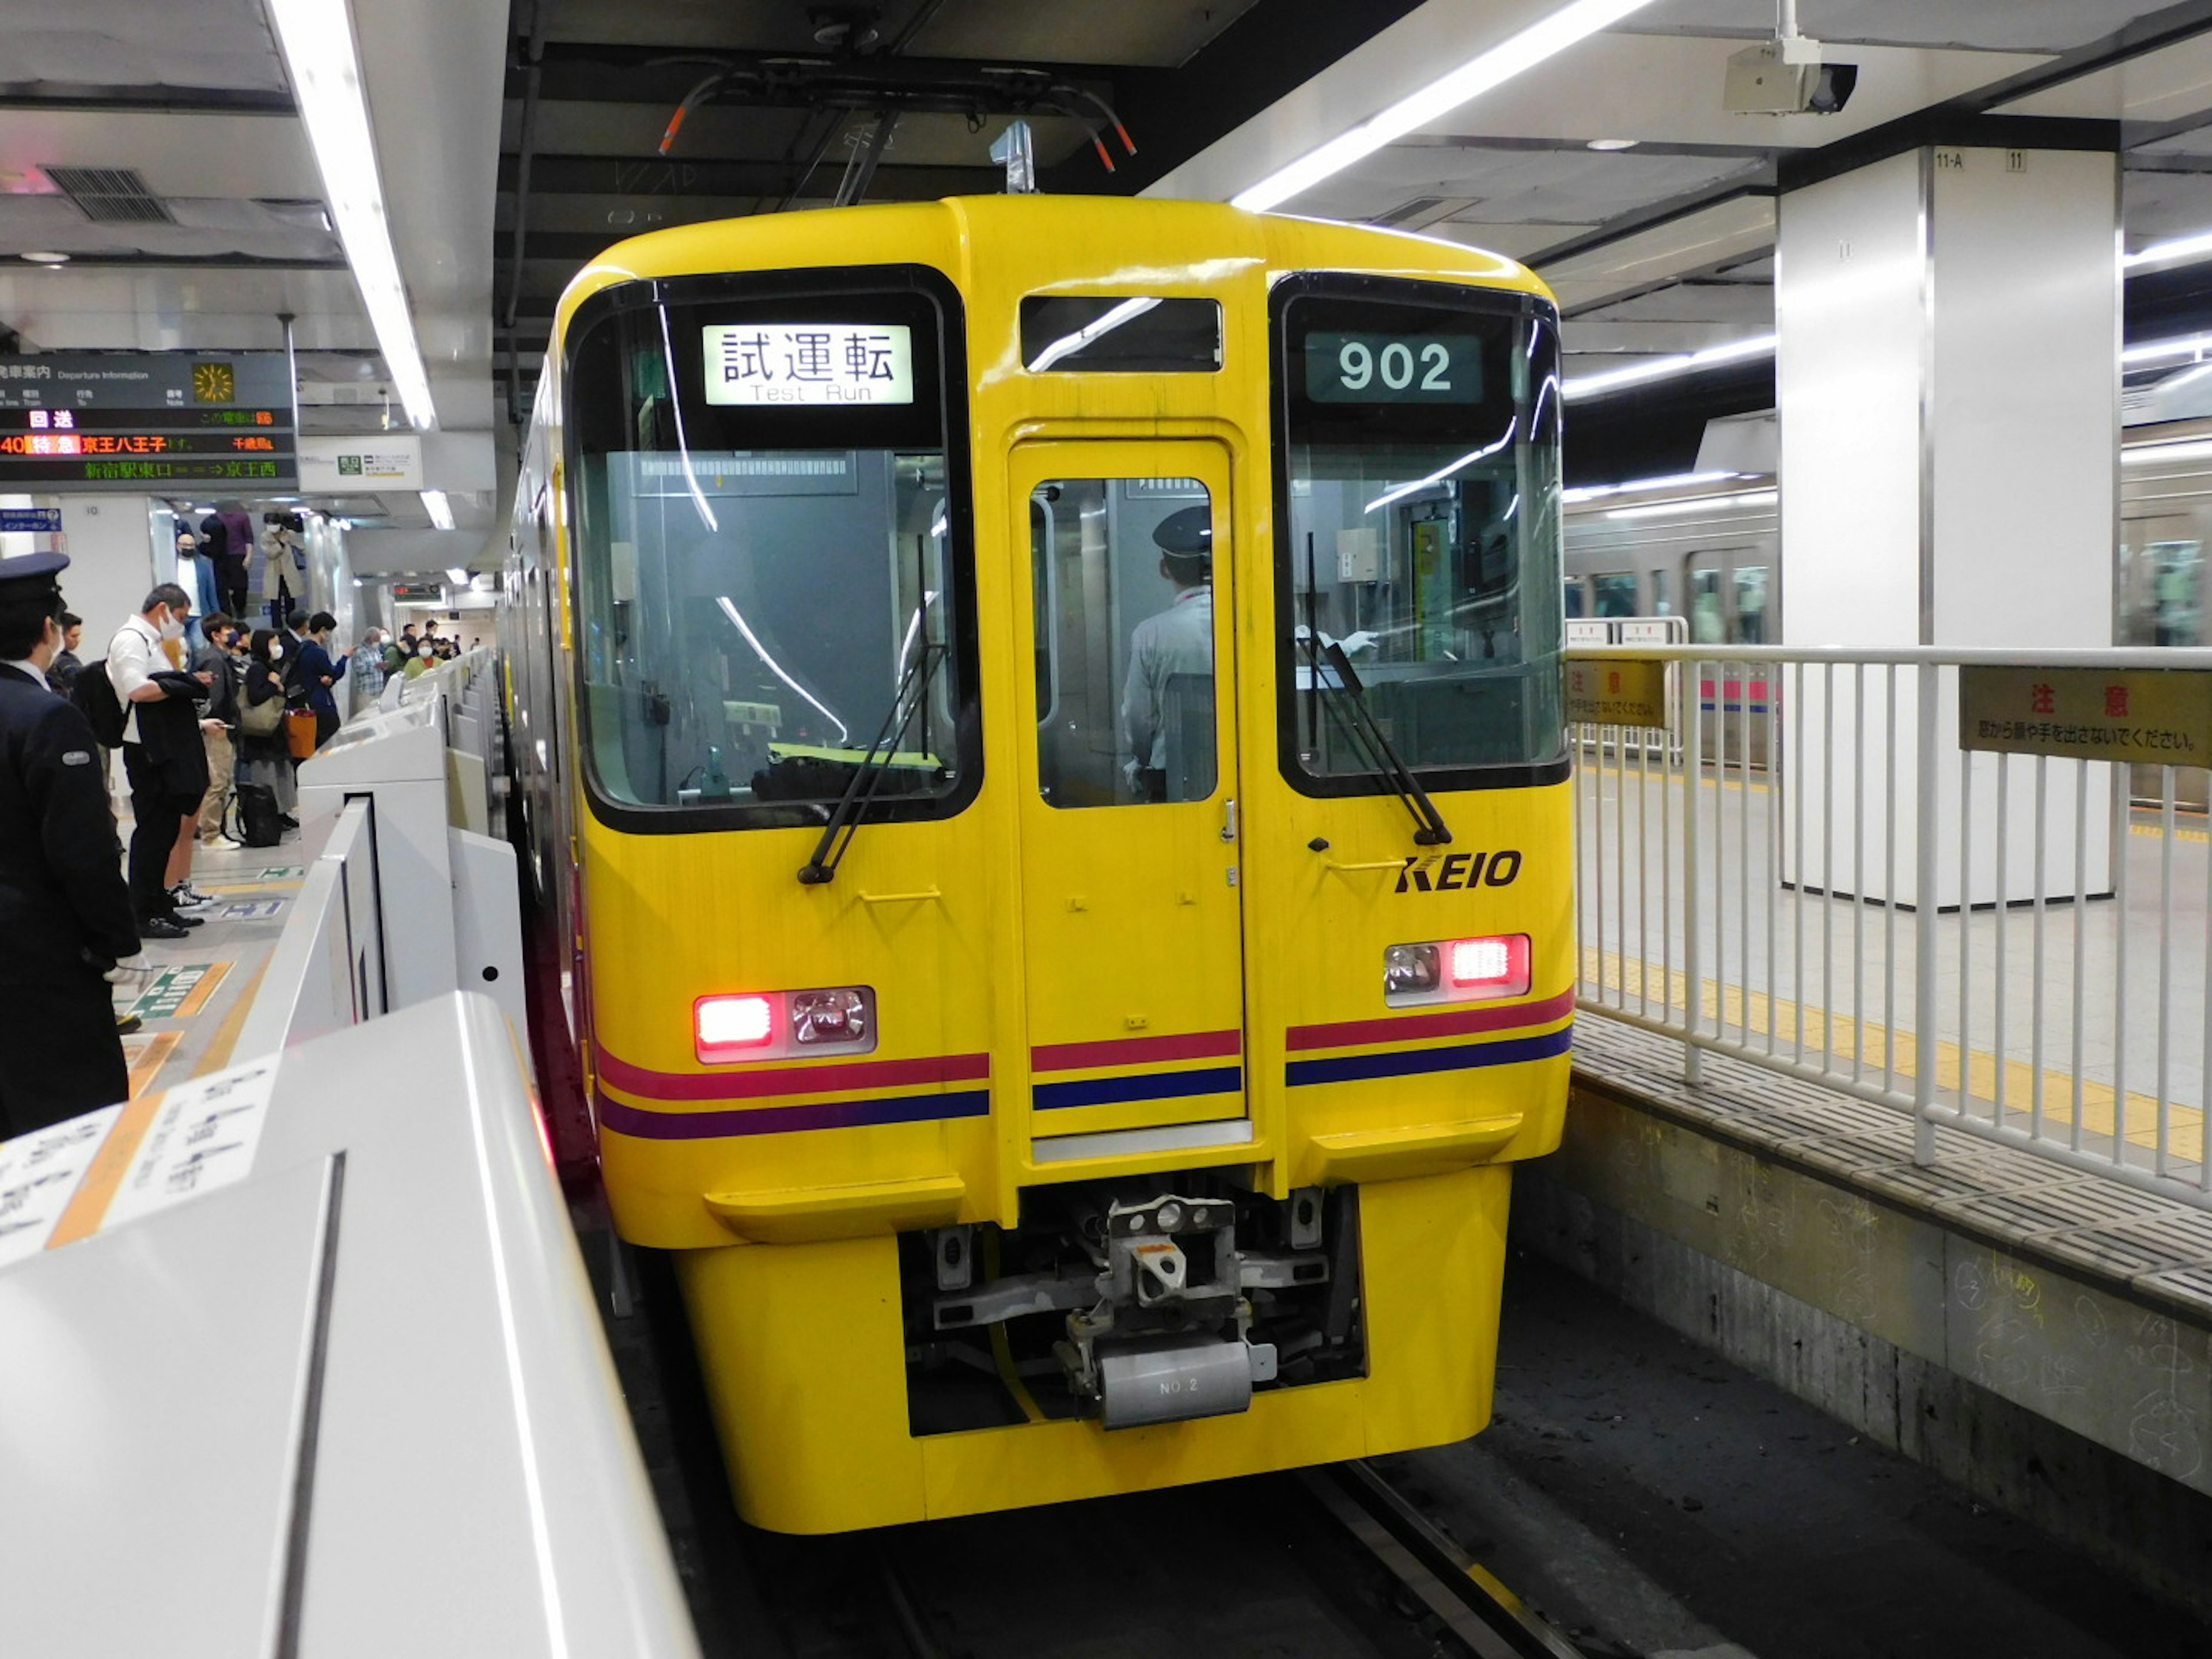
(1707,547)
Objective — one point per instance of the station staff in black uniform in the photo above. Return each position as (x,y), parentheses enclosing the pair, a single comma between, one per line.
(65,915)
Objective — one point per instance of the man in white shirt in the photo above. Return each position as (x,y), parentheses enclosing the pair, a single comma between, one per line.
(1178,640)
(163,756)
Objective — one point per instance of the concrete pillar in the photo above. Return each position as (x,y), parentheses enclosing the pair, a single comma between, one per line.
(118,547)
(1948,385)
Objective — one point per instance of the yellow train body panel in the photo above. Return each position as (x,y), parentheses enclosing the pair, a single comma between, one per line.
(1035,969)
(842,1459)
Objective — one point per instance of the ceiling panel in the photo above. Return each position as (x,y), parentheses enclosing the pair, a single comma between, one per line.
(1666,88)
(2197,142)
(248,157)
(1731,303)
(212,308)
(2048,26)
(1157,34)
(1690,243)
(1558,186)
(1514,241)
(220,43)
(206,229)
(2167,85)
(2163,204)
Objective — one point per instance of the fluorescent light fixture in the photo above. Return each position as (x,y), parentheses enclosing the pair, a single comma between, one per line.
(2155,454)
(2174,251)
(1666,368)
(317,37)
(1672,481)
(1541,40)
(439,509)
(459,577)
(1615,143)
(1699,504)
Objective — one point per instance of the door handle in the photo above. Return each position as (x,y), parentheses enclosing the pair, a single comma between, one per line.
(1229,819)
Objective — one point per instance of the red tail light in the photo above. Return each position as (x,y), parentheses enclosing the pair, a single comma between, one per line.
(1495,965)
(732,1028)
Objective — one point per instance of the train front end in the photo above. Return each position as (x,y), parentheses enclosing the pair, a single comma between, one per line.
(1069,831)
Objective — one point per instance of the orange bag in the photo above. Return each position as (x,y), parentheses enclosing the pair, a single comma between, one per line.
(299,731)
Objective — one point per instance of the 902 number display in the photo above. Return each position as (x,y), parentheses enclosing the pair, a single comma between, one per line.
(1391,368)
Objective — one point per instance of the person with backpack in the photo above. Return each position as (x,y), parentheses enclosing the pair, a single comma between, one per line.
(64,911)
(163,754)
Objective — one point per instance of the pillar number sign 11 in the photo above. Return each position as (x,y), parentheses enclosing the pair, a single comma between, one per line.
(1394,369)
(822,365)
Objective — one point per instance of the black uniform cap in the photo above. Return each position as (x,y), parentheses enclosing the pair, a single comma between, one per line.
(32,576)
(1187,533)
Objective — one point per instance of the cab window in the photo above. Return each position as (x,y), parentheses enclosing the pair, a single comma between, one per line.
(1419,527)
(774,574)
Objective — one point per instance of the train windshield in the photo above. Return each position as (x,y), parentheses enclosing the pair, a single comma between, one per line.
(775,605)
(1418,438)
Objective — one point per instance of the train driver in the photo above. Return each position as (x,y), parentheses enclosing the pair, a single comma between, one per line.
(1176,641)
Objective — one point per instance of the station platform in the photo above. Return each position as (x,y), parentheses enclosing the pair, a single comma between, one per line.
(195,994)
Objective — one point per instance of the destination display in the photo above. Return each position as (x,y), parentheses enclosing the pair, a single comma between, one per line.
(94,421)
(1392,368)
(809,365)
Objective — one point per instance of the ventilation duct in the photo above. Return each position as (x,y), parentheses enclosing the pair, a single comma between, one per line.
(110,196)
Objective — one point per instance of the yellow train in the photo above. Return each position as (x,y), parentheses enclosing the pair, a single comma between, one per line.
(1038,733)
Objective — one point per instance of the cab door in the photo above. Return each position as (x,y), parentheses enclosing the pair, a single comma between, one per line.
(1134,948)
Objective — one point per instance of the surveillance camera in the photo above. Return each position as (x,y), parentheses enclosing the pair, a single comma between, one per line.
(1763,80)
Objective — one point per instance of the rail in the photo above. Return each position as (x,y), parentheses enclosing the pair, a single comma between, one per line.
(1813,875)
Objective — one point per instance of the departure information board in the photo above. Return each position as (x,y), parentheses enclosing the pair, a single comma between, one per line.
(147,421)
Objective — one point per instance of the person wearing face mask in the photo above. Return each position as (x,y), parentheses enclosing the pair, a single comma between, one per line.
(368,668)
(65,912)
(425,658)
(319,673)
(163,754)
(220,728)
(266,754)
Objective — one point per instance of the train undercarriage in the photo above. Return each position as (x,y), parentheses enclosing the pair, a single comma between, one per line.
(1131,1302)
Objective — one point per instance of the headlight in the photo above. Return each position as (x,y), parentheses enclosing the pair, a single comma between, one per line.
(1457,970)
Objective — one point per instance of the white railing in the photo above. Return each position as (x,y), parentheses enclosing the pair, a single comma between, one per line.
(1814,876)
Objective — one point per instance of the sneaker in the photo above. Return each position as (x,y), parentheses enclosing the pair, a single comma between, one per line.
(126,1023)
(186,896)
(165,927)
(183,920)
(222,844)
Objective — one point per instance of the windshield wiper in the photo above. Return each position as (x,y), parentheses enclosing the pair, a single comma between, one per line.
(1345,699)
(911,697)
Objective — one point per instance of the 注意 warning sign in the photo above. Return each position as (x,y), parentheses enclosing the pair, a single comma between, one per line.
(1618,692)
(2151,716)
